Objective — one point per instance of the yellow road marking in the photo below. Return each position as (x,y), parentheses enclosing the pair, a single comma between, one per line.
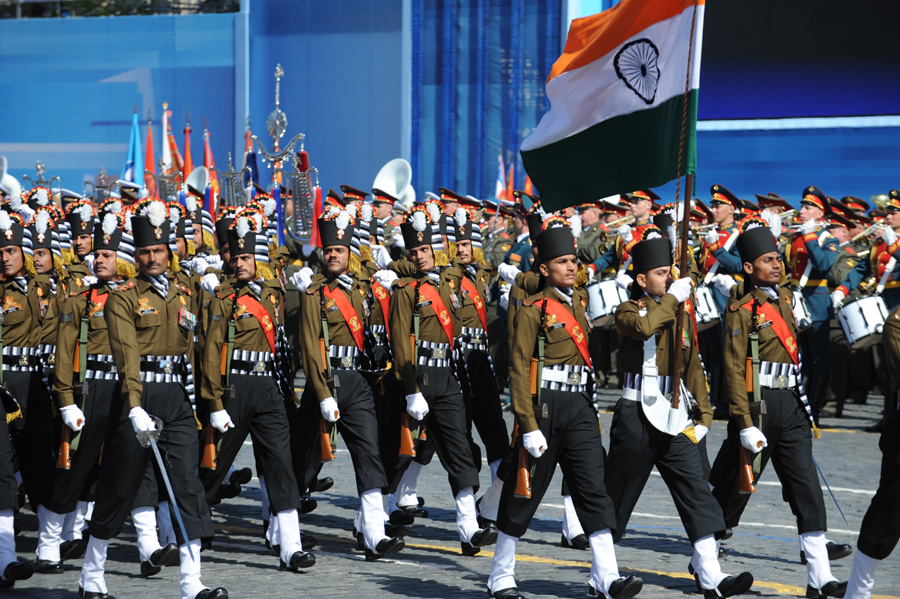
(781,589)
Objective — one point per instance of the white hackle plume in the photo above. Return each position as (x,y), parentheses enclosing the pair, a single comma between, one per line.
(461,217)
(114,207)
(434,212)
(653,235)
(156,212)
(191,203)
(351,210)
(42,197)
(242,226)
(86,212)
(419,221)
(109,224)
(15,202)
(258,221)
(42,221)
(5,221)
(366,213)
(343,220)
(269,206)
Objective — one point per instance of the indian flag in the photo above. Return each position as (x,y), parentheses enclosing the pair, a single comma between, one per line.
(617,98)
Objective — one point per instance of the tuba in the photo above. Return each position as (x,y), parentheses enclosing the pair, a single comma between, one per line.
(394,178)
(10,183)
(197,181)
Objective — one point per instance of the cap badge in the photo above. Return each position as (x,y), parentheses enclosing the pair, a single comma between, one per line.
(462,231)
(420,236)
(157,233)
(84,226)
(8,233)
(340,233)
(240,243)
(106,238)
(40,238)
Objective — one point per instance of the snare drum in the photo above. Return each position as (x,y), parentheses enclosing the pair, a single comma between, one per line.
(801,313)
(707,312)
(605,297)
(863,321)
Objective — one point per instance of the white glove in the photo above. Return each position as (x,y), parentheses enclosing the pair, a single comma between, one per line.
(679,212)
(220,420)
(381,256)
(807,227)
(302,279)
(72,417)
(535,443)
(386,278)
(504,298)
(681,289)
(889,236)
(416,406)
(140,420)
(724,284)
(208,283)
(753,440)
(329,409)
(712,236)
(623,281)
(89,260)
(215,262)
(508,273)
(625,233)
(199,265)
(26,212)
(837,298)
(700,431)
(88,280)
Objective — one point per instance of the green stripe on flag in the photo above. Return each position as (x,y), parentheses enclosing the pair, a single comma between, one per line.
(619,155)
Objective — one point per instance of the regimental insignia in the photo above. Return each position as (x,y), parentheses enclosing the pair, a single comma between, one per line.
(273,300)
(157,233)
(444,317)
(550,321)
(10,305)
(96,310)
(340,233)
(242,310)
(760,321)
(329,303)
(462,231)
(791,344)
(241,243)
(354,324)
(577,333)
(8,233)
(41,237)
(380,293)
(182,300)
(420,236)
(851,263)
(145,308)
(84,226)
(267,322)
(106,238)
(715,188)
(478,303)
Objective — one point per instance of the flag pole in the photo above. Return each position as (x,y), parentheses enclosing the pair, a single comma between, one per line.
(683,265)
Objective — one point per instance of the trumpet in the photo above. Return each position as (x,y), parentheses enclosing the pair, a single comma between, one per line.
(621,222)
(705,227)
(865,234)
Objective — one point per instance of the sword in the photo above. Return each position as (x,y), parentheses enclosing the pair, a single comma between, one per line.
(148,438)
(827,486)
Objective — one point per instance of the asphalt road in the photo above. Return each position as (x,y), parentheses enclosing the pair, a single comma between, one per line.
(655,546)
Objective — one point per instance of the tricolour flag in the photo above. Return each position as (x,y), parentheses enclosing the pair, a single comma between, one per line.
(617,96)
(134,160)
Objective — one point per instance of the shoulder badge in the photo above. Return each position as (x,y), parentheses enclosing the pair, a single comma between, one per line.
(125,286)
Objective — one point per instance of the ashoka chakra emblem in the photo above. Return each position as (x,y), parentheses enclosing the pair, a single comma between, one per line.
(637,64)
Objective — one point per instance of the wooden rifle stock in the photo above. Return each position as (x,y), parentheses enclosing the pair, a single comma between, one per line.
(746,485)
(327,453)
(209,449)
(64,459)
(407,443)
(523,477)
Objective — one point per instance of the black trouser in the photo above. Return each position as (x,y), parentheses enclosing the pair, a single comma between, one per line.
(446,426)
(8,484)
(574,442)
(499,348)
(635,447)
(33,434)
(880,528)
(257,408)
(603,345)
(788,433)
(815,354)
(357,425)
(125,462)
(712,350)
(389,406)
(482,397)
(71,485)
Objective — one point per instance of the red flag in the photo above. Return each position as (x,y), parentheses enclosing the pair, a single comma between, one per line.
(177,161)
(209,163)
(511,182)
(150,162)
(188,161)
(529,187)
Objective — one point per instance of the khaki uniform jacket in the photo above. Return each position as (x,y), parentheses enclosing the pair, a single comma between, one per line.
(430,328)
(75,306)
(559,348)
(338,328)
(141,323)
(468,313)
(23,313)
(249,333)
(50,304)
(737,347)
(634,329)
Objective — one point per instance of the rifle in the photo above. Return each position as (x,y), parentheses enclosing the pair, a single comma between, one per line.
(751,464)
(326,429)
(68,442)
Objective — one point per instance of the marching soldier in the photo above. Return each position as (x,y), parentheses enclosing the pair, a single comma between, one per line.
(80,217)
(556,422)
(423,338)
(773,419)
(241,373)
(150,321)
(642,435)
(334,314)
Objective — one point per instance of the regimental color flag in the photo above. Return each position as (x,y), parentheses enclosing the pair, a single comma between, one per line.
(500,187)
(134,160)
(617,96)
